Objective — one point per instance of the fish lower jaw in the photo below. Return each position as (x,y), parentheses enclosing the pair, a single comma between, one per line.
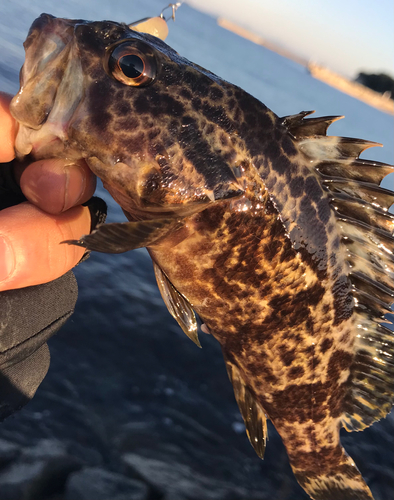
(50,146)
(43,143)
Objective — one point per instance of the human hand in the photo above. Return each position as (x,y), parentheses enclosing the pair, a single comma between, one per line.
(31,232)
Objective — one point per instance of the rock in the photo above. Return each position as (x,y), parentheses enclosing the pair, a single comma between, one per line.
(95,483)
(52,477)
(8,452)
(39,472)
(177,480)
(16,479)
(44,450)
(86,453)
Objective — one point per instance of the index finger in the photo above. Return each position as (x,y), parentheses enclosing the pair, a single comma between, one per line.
(8,128)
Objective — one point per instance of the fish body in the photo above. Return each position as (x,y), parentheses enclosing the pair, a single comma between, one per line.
(275,234)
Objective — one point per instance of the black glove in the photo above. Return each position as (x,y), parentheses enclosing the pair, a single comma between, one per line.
(30,316)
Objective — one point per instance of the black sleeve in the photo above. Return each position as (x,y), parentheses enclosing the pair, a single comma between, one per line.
(30,316)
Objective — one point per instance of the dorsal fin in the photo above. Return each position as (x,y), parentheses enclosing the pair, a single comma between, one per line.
(370,255)
(321,148)
(366,229)
(370,286)
(371,395)
(358,170)
(292,121)
(178,306)
(251,411)
(364,212)
(377,196)
(359,262)
(299,127)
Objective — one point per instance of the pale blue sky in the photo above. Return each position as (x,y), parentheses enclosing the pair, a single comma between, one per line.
(348,36)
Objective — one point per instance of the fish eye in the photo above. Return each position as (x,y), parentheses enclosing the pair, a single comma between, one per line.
(132,63)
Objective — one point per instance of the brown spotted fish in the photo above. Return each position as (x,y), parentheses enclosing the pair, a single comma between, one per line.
(275,234)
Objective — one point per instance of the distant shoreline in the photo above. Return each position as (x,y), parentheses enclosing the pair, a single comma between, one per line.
(319,72)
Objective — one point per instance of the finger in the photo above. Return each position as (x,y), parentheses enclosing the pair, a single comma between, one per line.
(7,129)
(56,185)
(30,244)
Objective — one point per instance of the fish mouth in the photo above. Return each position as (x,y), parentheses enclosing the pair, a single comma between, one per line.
(51,89)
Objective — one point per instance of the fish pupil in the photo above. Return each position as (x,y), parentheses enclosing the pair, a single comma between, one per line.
(131,65)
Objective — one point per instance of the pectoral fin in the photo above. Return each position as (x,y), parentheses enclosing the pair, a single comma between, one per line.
(124,236)
(178,306)
(251,411)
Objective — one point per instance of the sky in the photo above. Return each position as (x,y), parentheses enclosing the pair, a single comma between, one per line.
(348,36)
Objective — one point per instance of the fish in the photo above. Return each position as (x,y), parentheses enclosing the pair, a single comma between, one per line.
(275,234)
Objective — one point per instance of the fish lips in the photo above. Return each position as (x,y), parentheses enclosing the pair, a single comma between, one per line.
(51,88)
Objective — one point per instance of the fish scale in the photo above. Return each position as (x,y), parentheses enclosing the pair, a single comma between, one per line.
(277,235)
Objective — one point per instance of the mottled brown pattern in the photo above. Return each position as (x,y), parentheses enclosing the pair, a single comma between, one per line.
(259,256)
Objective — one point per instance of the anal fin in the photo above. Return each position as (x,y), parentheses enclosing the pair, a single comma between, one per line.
(251,411)
(178,306)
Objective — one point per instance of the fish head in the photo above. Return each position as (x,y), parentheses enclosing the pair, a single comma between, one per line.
(132,107)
